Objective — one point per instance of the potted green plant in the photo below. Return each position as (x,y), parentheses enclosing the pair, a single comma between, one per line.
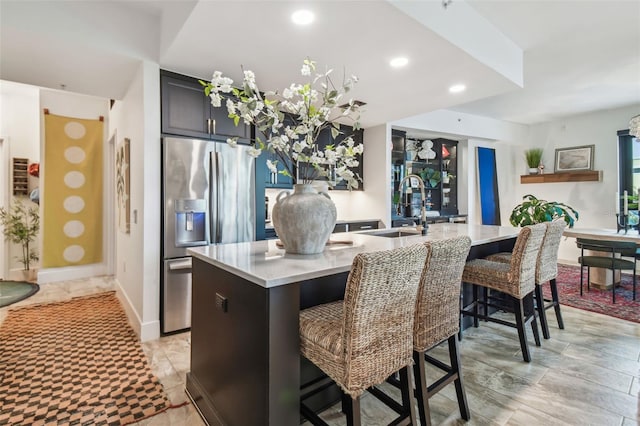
(534,159)
(21,225)
(532,211)
(431,177)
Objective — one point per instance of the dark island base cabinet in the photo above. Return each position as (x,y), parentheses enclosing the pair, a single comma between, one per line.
(244,349)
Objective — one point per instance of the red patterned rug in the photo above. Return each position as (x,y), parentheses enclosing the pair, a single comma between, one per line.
(596,300)
(75,362)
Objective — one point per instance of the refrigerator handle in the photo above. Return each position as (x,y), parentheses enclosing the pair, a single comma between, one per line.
(213,197)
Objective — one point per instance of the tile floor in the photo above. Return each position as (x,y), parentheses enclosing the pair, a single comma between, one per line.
(588,373)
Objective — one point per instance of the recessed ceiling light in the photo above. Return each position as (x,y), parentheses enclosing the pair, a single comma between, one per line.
(457,88)
(302,17)
(399,62)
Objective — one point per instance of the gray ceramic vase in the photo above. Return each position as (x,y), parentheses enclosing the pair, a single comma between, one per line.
(304,220)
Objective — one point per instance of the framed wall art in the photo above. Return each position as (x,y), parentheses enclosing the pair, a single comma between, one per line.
(123,186)
(574,159)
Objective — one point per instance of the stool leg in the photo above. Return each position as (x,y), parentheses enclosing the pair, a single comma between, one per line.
(454,357)
(476,306)
(406,391)
(518,309)
(351,407)
(420,377)
(556,303)
(581,273)
(541,312)
(528,300)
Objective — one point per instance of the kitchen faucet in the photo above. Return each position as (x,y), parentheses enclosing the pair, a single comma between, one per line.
(423,211)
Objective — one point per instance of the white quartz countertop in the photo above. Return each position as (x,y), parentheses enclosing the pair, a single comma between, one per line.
(263,263)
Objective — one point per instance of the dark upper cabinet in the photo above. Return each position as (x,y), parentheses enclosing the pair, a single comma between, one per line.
(325,138)
(186,111)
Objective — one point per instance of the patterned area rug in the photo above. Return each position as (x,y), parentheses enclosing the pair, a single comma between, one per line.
(75,362)
(596,300)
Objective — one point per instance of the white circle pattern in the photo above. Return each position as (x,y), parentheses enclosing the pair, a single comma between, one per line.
(73,253)
(74,154)
(74,179)
(74,204)
(73,228)
(75,130)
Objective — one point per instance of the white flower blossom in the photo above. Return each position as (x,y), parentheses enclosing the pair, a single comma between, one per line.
(231,106)
(272,166)
(314,107)
(254,152)
(216,100)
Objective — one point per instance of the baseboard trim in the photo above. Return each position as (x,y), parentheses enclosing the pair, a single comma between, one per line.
(51,275)
(145,330)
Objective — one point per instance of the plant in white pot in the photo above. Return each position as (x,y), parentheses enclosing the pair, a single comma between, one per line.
(534,159)
(20,225)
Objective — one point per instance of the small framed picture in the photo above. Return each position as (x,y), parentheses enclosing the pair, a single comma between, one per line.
(414,182)
(574,159)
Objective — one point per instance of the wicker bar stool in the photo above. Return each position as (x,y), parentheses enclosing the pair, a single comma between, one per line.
(546,271)
(437,320)
(517,280)
(361,341)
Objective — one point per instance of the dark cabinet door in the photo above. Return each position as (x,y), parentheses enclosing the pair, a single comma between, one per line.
(223,126)
(186,111)
(185,108)
(272,180)
(325,138)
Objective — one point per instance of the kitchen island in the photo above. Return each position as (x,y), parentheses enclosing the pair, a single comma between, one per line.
(245,363)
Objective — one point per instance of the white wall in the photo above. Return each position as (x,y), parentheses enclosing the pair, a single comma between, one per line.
(594,201)
(20,128)
(137,117)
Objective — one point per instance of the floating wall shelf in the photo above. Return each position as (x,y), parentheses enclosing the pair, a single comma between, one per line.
(586,176)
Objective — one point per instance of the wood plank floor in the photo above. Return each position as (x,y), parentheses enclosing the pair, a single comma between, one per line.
(588,373)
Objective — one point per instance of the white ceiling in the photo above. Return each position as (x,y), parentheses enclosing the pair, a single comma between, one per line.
(579,56)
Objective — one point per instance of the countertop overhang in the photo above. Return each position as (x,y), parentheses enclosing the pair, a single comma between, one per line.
(266,265)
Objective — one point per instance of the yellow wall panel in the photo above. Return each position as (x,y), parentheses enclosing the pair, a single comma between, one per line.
(72,196)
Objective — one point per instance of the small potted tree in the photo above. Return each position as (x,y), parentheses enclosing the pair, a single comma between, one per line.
(534,158)
(21,225)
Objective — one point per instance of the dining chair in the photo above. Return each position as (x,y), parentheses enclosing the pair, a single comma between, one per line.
(361,341)
(610,257)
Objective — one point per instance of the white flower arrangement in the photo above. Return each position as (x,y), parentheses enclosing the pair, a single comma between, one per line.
(311,109)
(423,149)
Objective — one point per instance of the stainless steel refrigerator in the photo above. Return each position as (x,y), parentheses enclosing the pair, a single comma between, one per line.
(208,191)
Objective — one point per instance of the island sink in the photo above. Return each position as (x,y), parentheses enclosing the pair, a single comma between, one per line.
(393,233)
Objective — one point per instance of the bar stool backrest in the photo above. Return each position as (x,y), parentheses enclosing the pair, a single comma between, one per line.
(379,304)
(522,273)
(438,306)
(547,267)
